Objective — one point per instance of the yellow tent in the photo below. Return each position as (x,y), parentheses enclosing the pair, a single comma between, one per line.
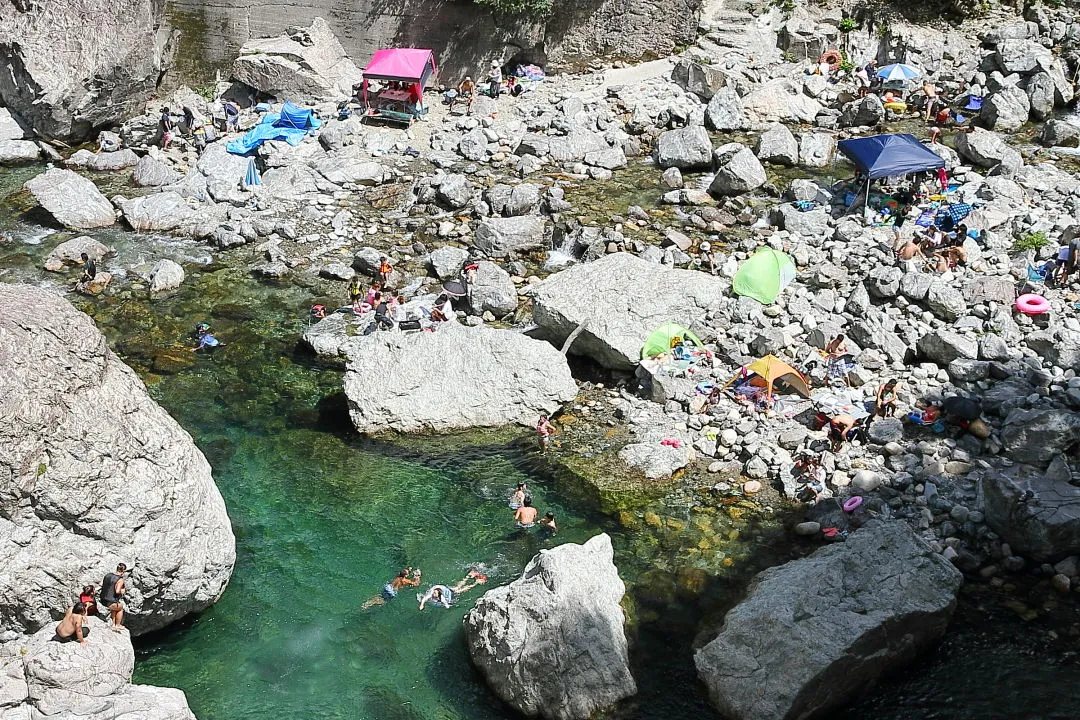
(773,369)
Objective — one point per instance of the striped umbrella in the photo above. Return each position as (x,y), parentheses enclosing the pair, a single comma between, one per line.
(898,71)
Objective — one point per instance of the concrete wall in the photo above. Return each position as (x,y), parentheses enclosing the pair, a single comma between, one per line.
(464,36)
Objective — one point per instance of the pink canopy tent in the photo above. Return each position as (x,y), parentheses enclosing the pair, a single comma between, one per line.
(409,65)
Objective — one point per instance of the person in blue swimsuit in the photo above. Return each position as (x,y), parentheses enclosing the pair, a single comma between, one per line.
(406,578)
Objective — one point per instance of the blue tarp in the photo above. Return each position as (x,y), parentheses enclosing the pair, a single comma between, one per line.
(290,125)
(885,155)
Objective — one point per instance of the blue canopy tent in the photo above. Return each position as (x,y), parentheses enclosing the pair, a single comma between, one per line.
(886,155)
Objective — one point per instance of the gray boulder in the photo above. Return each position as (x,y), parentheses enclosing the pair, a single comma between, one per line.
(944,346)
(498,236)
(340,169)
(687,148)
(1021,56)
(160,212)
(10,127)
(551,643)
(492,291)
(446,262)
(945,301)
(1007,109)
(1060,134)
(18,152)
(166,275)
(610,158)
(886,430)
(69,253)
(473,145)
(815,633)
(103,162)
(71,68)
(484,378)
(814,223)
(41,678)
(617,324)
(865,111)
(523,200)
(884,281)
(71,199)
(1034,437)
(76,416)
(1040,89)
(1045,527)
(987,149)
(305,65)
(454,191)
(725,111)
(702,80)
(739,171)
(778,146)
(223,172)
(816,149)
(575,145)
(367,261)
(1059,346)
(151,172)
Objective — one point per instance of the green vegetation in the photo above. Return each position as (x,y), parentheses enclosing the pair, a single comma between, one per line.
(534,8)
(847,25)
(206,92)
(1032,241)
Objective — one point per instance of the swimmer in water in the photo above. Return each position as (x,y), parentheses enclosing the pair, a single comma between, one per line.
(547,524)
(406,578)
(442,596)
(517,498)
(525,516)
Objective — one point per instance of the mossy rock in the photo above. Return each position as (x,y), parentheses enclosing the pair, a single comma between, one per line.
(172,361)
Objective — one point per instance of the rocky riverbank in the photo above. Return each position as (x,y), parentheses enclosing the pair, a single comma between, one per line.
(739,148)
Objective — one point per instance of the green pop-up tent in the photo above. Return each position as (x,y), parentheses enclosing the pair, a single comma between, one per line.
(764,275)
(659,341)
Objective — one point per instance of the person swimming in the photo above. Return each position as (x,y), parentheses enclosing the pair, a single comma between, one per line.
(517,498)
(525,516)
(442,596)
(406,578)
(206,340)
(547,525)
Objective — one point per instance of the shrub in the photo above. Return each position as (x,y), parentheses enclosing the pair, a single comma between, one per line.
(535,8)
(1032,241)
(847,25)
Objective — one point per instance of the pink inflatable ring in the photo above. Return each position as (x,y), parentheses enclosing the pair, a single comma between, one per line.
(1032,304)
(852,504)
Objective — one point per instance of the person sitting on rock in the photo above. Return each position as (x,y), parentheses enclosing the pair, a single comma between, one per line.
(442,596)
(384,270)
(406,578)
(443,311)
(89,269)
(113,589)
(87,598)
(466,92)
(885,406)
(72,626)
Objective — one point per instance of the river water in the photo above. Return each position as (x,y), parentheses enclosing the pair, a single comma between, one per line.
(324,518)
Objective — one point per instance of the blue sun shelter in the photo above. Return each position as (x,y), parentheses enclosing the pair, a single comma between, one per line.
(881,156)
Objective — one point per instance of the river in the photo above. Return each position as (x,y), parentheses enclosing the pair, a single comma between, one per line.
(323,518)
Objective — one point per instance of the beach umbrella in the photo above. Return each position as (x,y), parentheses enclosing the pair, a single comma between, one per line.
(455,288)
(961,407)
(251,177)
(898,71)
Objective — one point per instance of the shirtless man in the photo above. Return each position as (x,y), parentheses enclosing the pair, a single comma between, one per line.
(467,89)
(526,514)
(71,627)
(442,596)
(839,427)
(406,578)
(909,250)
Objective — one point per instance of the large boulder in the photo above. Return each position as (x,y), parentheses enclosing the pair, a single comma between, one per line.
(499,236)
(551,643)
(18,152)
(944,346)
(224,172)
(867,110)
(702,80)
(617,323)
(781,100)
(816,149)
(725,111)
(72,67)
(1034,437)
(446,261)
(340,169)
(10,126)
(69,253)
(103,162)
(778,146)
(491,290)
(166,275)
(158,212)
(738,171)
(76,417)
(1059,346)
(151,172)
(687,148)
(1007,109)
(456,377)
(1046,525)
(304,65)
(987,149)
(1059,133)
(71,199)
(817,632)
(43,678)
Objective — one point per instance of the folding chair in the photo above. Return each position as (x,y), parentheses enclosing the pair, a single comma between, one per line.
(1034,281)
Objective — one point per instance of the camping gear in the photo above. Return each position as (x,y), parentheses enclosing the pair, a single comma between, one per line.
(881,156)
(959,211)
(291,125)
(251,177)
(961,407)
(406,325)
(898,71)
(974,103)
(660,340)
(411,66)
(772,369)
(764,275)
(455,288)
(1032,304)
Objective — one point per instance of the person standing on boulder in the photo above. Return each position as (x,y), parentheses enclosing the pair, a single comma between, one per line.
(545,430)
(113,588)
(232,115)
(166,125)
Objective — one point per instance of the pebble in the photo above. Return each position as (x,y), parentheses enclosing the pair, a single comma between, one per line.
(751,487)
(1061,583)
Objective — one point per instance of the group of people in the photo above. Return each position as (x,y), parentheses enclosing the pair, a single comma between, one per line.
(525,514)
(113,588)
(194,127)
(437,595)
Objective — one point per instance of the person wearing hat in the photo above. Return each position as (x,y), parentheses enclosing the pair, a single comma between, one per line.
(706,259)
(495,78)
(466,90)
